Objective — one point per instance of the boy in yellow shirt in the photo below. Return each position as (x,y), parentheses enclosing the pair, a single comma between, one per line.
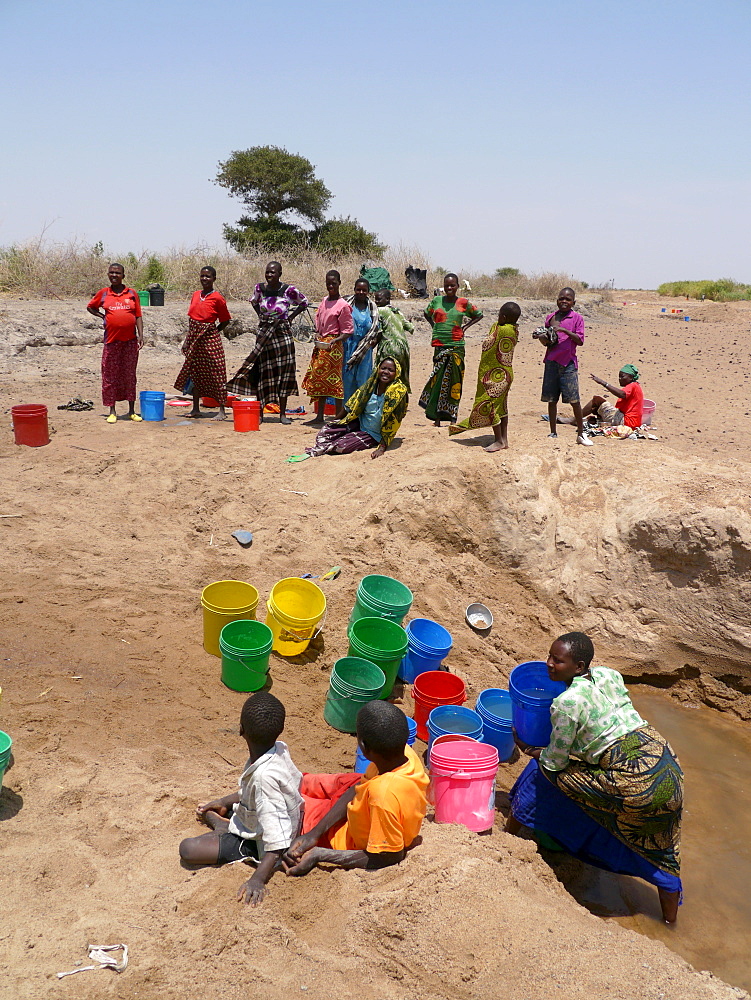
(376,820)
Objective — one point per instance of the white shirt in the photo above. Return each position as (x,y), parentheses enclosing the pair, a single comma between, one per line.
(270,803)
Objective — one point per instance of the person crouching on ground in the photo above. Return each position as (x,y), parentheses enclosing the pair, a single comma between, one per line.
(494,378)
(561,380)
(264,816)
(375,821)
(374,415)
(628,410)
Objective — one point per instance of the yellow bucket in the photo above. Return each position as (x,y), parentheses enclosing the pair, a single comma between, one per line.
(295,607)
(223,602)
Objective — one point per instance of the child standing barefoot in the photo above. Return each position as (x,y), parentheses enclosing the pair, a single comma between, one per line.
(494,378)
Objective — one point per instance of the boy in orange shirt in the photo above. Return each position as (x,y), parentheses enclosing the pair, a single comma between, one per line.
(377,819)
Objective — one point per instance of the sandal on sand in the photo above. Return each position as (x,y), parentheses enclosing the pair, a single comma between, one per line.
(134,416)
(112,418)
(298,458)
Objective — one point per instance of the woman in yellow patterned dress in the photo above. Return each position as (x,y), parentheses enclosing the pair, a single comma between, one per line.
(494,378)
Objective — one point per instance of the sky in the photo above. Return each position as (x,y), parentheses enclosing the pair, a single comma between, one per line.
(608,141)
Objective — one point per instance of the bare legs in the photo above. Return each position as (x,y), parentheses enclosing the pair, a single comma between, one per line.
(204,850)
(553,418)
(669,905)
(500,433)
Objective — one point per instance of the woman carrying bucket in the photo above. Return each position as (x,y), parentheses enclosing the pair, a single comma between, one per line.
(608,788)
(204,365)
(123,339)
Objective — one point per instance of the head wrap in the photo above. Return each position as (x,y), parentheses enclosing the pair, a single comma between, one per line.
(631,370)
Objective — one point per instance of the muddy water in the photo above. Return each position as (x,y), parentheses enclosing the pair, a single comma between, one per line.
(714,924)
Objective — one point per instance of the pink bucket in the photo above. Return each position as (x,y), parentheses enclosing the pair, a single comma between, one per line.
(462,775)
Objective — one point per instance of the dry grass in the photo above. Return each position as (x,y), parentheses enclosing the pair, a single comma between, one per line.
(42,269)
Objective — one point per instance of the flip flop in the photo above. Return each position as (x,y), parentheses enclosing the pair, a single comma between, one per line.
(134,416)
(112,418)
(298,458)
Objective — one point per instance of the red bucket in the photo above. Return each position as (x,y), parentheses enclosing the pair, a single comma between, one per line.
(433,688)
(209,402)
(30,424)
(246,415)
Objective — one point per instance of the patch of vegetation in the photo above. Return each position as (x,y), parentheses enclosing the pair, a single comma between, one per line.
(722,290)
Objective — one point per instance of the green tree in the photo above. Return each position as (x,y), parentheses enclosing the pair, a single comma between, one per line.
(272,182)
(345,235)
(507,272)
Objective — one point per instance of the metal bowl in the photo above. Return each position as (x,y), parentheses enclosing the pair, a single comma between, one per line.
(479,617)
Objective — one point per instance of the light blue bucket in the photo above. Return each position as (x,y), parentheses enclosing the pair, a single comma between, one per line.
(495,709)
(361,762)
(454,719)
(152,405)
(429,645)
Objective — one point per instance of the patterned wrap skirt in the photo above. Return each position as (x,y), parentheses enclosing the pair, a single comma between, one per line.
(270,370)
(324,375)
(119,363)
(635,791)
(204,362)
(341,440)
(443,391)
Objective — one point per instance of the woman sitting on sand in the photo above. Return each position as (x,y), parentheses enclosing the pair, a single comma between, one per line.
(269,371)
(374,414)
(447,315)
(204,364)
(607,787)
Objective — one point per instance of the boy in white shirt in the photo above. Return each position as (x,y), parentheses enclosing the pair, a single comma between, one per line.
(259,822)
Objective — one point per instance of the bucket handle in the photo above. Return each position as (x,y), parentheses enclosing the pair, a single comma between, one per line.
(289,635)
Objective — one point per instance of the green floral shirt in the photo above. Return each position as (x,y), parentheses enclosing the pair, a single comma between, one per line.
(591,715)
(448,318)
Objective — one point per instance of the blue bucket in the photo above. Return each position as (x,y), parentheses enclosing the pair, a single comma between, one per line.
(453,719)
(152,405)
(494,708)
(532,693)
(429,644)
(361,762)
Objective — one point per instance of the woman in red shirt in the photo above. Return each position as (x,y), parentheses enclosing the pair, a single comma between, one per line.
(123,339)
(204,364)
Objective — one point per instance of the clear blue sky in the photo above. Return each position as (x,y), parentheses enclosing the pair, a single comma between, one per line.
(603,139)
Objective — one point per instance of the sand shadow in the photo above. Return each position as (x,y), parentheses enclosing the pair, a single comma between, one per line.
(482,441)
(11,803)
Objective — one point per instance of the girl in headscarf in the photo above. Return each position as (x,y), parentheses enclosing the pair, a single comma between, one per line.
(628,409)
(374,414)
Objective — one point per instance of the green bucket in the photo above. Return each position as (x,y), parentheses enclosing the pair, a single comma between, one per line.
(381,641)
(381,597)
(5,744)
(144,298)
(353,683)
(245,647)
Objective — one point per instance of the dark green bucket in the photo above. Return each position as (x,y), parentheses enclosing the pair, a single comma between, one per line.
(381,597)
(245,647)
(381,641)
(5,747)
(353,683)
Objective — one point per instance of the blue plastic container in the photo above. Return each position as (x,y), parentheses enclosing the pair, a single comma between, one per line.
(453,719)
(361,763)
(494,708)
(152,405)
(532,693)
(429,645)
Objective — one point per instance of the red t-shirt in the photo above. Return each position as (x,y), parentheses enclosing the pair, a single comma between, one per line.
(632,404)
(121,310)
(209,309)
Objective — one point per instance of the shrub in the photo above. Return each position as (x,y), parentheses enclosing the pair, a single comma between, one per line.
(722,290)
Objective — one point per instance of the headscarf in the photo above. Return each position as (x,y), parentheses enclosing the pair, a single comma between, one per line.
(395,403)
(631,370)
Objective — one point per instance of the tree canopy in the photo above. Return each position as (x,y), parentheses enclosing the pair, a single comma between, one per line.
(271,182)
(275,186)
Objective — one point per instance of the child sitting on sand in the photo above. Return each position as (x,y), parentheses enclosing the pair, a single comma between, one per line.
(264,816)
(494,378)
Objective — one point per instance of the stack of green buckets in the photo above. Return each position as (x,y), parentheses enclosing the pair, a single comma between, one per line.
(376,637)
(5,744)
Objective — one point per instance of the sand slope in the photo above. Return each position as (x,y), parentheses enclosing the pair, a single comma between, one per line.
(120,723)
